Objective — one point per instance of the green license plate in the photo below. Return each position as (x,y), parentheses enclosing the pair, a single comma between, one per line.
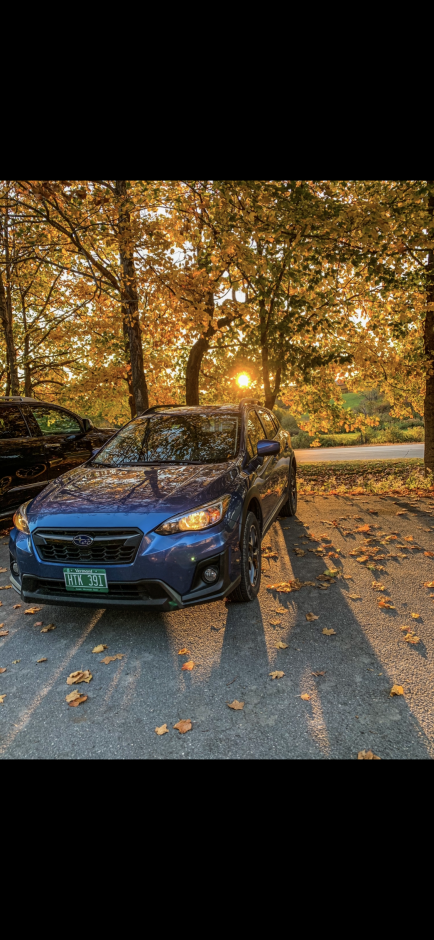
(86,579)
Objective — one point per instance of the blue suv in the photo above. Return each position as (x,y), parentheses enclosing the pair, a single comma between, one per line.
(170,512)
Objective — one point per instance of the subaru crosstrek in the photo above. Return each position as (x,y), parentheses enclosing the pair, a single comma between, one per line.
(169,513)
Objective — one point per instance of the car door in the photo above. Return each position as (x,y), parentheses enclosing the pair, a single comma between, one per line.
(64,438)
(272,464)
(254,433)
(284,457)
(23,465)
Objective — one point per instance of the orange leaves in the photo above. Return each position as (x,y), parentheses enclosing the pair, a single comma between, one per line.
(363,528)
(75,698)
(32,610)
(100,648)
(328,632)
(184,652)
(429,554)
(183,726)
(396,690)
(429,584)
(319,673)
(3,669)
(305,697)
(275,623)
(415,616)
(277,674)
(378,586)
(281,646)
(367,755)
(111,659)
(235,705)
(43,659)
(162,730)
(48,628)
(383,605)
(4,632)
(311,617)
(187,667)
(412,638)
(2,698)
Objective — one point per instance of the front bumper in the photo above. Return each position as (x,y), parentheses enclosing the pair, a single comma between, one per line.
(147,594)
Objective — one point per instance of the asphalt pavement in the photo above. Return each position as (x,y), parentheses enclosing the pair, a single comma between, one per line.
(347,675)
(364,452)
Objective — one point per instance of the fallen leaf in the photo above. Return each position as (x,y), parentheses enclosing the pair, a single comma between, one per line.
(3,669)
(312,616)
(318,673)
(367,755)
(2,570)
(378,586)
(329,632)
(281,610)
(32,610)
(412,638)
(16,605)
(384,604)
(235,705)
(2,698)
(322,577)
(100,648)
(50,626)
(363,528)
(277,674)
(4,632)
(331,573)
(355,597)
(111,659)
(6,587)
(163,730)
(275,623)
(79,676)
(183,726)
(305,697)
(396,690)
(415,616)
(43,659)
(429,554)
(281,646)
(362,559)
(75,698)
(15,661)
(187,667)
(402,512)
(409,538)
(38,623)
(299,551)
(184,652)
(429,584)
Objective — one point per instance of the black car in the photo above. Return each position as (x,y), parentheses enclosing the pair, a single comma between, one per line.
(39,442)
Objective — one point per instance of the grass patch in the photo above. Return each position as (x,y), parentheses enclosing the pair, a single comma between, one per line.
(357,477)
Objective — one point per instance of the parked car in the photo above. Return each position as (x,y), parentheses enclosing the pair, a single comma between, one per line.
(171,512)
(39,442)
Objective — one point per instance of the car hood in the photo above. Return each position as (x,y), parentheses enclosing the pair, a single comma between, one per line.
(164,490)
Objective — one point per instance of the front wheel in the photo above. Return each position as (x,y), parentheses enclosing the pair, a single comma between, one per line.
(289,508)
(250,582)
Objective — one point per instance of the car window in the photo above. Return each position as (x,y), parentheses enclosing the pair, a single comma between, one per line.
(255,433)
(267,421)
(52,421)
(193,438)
(12,423)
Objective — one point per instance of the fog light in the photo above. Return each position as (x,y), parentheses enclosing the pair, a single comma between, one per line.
(210,575)
(15,567)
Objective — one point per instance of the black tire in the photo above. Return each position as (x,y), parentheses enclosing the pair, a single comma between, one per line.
(250,582)
(289,508)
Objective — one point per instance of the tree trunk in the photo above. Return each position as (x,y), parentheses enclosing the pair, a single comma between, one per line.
(130,301)
(131,400)
(429,346)
(28,391)
(6,322)
(197,353)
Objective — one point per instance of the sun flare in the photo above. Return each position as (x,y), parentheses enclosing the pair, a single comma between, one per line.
(243,380)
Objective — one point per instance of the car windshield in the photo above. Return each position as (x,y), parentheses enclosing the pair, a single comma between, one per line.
(192,438)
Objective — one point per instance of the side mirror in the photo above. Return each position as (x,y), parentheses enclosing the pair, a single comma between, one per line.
(87,424)
(267,448)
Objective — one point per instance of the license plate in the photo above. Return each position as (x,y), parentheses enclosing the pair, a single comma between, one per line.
(86,579)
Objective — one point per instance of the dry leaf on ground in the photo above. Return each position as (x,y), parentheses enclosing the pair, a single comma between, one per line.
(3,669)
(38,623)
(6,587)
(16,605)
(329,632)
(183,726)
(412,638)
(4,632)
(378,586)
(367,755)
(305,697)
(415,616)
(75,698)
(43,659)
(15,661)
(277,674)
(281,646)
(429,584)
(163,730)
(184,652)
(363,528)
(100,648)
(311,616)
(355,597)
(362,559)
(275,623)
(2,570)
(331,572)
(318,673)
(396,690)
(79,676)
(429,554)
(236,705)
(32,610)
(187,667)
(111,659)
(50,626)
(299,551)
(383,604)
(2,698)
(409,538)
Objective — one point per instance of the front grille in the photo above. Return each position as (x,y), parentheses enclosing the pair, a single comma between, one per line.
(133,590)
(110,546)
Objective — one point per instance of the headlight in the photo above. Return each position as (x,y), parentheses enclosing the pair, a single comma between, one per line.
(202,518)
(20,518)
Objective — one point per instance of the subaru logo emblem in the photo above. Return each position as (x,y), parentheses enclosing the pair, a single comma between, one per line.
(82,540)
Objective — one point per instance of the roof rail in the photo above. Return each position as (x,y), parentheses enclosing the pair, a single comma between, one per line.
(18,398)
(249,401)
(159,408)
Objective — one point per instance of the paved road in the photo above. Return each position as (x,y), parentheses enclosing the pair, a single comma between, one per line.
(367,452)
(234,649)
